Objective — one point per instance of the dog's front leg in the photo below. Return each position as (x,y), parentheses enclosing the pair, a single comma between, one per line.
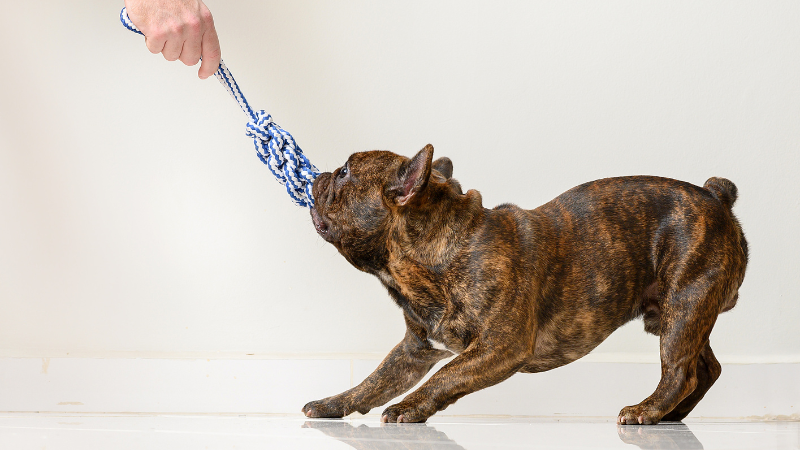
(405,365)
(477,368)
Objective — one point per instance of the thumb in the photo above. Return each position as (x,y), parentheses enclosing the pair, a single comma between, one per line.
(211,53)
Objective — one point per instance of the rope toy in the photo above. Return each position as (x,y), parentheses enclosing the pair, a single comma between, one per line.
(275,147)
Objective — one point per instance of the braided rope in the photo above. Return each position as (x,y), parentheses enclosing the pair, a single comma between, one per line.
(275,147)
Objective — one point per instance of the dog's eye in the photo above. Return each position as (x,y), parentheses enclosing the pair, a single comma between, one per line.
(343,172)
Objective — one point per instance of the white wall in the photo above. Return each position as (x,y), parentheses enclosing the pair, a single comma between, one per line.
(247,386)
(136,220)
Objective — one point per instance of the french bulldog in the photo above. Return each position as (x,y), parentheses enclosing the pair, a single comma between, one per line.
(511,290)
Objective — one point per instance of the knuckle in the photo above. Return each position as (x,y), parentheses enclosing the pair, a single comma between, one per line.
(205,15)
(173,29)
(194,25)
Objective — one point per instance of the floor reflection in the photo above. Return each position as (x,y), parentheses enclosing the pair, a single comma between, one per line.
(666,435)
(386,436)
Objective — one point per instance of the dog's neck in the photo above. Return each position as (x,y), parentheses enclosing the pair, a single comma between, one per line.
(430,232)
(426,240)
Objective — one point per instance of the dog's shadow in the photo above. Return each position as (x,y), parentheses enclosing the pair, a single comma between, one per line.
(386,437)
(664,436)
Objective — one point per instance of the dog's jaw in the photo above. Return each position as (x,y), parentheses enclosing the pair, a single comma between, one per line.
(320,224)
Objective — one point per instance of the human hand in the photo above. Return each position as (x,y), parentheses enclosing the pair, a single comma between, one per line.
(178,29)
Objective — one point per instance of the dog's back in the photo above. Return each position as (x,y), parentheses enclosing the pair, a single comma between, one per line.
(615,249)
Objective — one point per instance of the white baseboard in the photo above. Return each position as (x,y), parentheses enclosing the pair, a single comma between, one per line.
(281,386)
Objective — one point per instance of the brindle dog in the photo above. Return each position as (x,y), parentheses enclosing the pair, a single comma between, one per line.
(511,290)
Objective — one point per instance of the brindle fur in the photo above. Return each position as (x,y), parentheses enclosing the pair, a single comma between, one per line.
(511,290)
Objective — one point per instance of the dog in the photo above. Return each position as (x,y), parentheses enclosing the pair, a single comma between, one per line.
(510,290)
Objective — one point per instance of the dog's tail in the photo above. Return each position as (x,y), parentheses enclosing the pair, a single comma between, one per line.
(723,190)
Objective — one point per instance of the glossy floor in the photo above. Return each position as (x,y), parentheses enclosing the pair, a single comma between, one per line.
(153,432)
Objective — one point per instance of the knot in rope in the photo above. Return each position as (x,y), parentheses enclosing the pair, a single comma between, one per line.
(277,149)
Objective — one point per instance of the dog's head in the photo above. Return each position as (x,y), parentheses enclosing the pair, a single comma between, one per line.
(359,204)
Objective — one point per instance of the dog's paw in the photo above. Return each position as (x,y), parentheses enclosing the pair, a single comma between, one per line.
(329,408)
(403,413)
(638,415)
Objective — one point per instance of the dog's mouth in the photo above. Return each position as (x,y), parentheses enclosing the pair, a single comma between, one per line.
(320,224)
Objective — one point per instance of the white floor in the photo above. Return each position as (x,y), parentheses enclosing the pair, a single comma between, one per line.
(48,431)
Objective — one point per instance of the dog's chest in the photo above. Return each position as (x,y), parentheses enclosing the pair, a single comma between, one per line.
(387,279)
(440,346)
(425,316)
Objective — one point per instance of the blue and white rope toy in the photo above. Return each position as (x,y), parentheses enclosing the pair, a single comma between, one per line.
(275,147)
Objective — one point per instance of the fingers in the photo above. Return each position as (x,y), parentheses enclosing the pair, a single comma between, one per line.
(174,45)
(182,41)
(155,42)
(191,50)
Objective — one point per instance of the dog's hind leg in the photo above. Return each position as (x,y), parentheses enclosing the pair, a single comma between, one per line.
(688,314)
(708,370)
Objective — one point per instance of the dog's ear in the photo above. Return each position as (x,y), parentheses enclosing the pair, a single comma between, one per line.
(444,166)
(412,177)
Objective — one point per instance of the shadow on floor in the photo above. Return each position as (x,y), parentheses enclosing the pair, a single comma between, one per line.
(666,435)
(387,436)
